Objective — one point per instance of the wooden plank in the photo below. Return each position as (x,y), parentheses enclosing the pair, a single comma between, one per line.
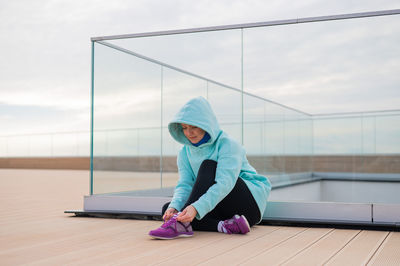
(289,248)
(89,252)
(388,252)
(360,249)
(325,248)
(152,251)
(34,230)
(248,250)
(46,233)
(53,247)
(228,242)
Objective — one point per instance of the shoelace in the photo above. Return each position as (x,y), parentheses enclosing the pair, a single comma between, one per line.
(168,223)
(173,220)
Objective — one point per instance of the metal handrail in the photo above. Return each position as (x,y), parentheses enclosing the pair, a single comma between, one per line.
(252,25)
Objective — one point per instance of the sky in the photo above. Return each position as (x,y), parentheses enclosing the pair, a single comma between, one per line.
(45,53)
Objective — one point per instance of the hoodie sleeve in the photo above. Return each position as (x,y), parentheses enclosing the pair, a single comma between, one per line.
(185,182)
(228,169)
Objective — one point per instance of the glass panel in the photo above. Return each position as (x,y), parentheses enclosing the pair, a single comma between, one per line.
(126,146)
(177,89)
(359,144)
(227,106)
(341,61)
(387,145)
(305,145)
(169,167)
(253,131)
(291,146)
(277,141)
(337,136)
(122,142)
(337,61)
(368,134)
(215,55)
(388,134)
(274,139)
(136,98)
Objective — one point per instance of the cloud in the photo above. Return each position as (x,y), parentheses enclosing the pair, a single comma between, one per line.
(46,52)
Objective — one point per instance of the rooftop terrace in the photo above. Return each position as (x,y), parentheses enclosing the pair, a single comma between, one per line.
(35,231)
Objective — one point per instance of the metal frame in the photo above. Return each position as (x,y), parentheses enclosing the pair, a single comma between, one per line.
(252,25)
(91,119)
(351,114)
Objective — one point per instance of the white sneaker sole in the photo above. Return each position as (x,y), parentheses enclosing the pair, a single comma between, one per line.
(166,238)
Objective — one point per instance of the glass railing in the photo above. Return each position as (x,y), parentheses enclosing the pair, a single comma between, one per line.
(366,133)
(357,145)
(268,132)
(352,146)
(141,81)
(148,94)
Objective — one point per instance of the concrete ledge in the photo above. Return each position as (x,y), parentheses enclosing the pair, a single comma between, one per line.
(102,203)
(312,211)
(386,213)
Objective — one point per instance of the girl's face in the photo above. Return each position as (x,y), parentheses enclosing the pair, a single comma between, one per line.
(192,133)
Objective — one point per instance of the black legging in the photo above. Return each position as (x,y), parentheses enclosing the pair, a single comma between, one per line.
(238,201)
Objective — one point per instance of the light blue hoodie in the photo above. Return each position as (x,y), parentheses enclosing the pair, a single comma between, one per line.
(229,155)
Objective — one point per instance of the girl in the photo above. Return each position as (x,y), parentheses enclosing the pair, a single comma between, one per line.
(218,190)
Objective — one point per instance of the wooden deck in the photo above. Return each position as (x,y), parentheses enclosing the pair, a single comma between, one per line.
(35,231)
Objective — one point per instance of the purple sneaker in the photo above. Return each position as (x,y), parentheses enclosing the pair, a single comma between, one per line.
(172,229)
(236,225)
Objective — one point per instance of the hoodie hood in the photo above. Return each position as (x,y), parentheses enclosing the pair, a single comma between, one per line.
(196,112)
